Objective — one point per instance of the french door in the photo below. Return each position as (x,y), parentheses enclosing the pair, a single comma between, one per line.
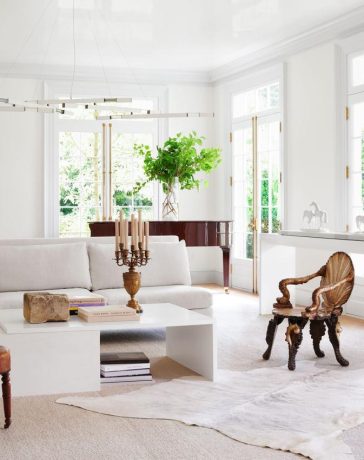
(355,171)
(256,182)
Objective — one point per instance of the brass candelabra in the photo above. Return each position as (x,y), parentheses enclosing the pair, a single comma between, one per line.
(133,258)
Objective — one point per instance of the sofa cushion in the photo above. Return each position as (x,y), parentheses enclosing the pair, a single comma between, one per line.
(168,265)
(190,297)
(41,267)
(15,299)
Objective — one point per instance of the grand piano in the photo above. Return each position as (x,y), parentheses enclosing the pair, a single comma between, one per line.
(194,232)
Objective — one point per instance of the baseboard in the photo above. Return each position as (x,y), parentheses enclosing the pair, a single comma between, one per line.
(207,277)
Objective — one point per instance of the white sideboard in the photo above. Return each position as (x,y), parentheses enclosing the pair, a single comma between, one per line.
(295,253)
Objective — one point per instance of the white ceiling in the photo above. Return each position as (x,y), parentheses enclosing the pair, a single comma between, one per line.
(194,35)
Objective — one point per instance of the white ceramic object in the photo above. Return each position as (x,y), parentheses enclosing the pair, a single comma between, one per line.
(314,219)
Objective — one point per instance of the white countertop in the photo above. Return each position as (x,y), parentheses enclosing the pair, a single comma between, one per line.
(326,235)
(154,316)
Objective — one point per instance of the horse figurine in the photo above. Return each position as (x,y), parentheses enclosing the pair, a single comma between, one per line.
(319,216)
(359,223)
(309,215)
(318,213)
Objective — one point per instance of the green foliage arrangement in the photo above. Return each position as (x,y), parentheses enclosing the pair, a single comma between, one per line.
(180,157)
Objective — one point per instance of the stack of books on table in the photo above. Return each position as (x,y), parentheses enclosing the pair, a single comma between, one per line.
(85,301)
(125,367)
(108,313)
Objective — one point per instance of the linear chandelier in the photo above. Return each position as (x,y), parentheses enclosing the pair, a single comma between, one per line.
(121,116)
(93,103)
(31,108)
(81,101)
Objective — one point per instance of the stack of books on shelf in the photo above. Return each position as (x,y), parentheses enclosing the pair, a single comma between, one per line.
(108,313)
(85,301)
(125,367)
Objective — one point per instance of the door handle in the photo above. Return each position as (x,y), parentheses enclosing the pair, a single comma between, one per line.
(253,224)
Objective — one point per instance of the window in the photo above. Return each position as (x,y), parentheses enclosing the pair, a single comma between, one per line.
(356,142)
(127,169)
(256,166)
(256,170)
(80,181)
(257,100)
(91,186)
(357,70)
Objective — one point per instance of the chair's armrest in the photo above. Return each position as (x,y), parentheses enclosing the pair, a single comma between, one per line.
(284,301)
(312,311)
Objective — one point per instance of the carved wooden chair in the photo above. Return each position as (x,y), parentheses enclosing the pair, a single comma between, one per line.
(337,282)
(5,374)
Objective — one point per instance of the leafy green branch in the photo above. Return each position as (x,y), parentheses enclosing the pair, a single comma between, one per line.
(180,157)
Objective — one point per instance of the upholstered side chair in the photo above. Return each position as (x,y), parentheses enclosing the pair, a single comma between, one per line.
(337,282)
(5,374)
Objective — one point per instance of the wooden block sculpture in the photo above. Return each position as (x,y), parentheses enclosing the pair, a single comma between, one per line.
(41,307)
(5,376)
(337,282)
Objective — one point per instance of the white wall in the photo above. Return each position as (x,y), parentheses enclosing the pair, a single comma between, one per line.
(206,263)
(310,133)
(194,204)
(21,164)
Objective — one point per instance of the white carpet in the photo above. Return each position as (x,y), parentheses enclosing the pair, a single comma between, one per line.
(304,411)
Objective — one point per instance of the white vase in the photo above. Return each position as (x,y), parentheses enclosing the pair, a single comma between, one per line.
(170,203)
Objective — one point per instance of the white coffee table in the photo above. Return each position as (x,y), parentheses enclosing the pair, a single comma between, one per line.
(64,357)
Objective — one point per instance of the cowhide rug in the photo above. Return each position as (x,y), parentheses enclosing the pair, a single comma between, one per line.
(303,412)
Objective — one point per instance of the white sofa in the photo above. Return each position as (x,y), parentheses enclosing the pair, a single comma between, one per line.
(79,265)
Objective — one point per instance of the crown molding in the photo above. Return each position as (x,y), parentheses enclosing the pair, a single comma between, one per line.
(339,28)
(114,75)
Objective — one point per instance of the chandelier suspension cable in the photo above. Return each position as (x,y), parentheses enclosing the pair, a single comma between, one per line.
(26,41)
(111,34)
(74,48)
(45,55)
(107,83)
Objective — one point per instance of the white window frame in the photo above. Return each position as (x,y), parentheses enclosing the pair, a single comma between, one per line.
(53,125)
(346,48)
(275,73)
(251,81)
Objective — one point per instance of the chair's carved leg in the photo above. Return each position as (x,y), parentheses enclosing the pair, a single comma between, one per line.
(294,339)
(271,333)
(7,398)
(334,330)
(317,331)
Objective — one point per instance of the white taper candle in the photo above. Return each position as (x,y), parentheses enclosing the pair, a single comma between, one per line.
(117,236)
(146,225)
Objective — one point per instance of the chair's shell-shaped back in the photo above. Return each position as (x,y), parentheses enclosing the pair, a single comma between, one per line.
(338,267)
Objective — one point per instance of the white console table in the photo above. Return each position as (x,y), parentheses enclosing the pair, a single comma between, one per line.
(278,260)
